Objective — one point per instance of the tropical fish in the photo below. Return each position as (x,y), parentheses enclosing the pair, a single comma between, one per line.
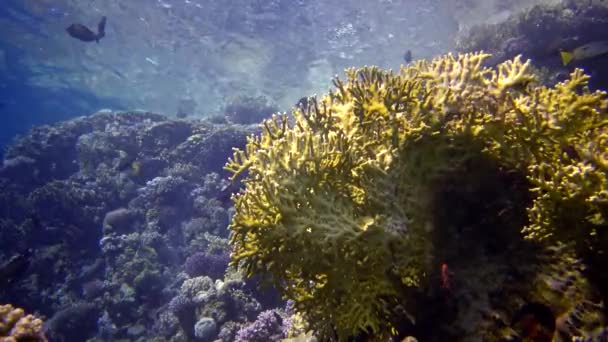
(85,34)
(588,50)
(136,168)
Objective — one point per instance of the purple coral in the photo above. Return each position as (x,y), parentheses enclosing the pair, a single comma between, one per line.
(290,310)
(206,264)
(180,304)
(267,327)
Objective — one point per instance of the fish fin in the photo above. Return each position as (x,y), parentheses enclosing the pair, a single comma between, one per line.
(566,57)
(101,27)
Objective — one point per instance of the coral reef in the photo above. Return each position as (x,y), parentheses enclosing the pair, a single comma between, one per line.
(268,326)
(212,265)
(447,181)
(16,326)
(213,309)
(99,214)
(205,329)
(540,33)
(74,322)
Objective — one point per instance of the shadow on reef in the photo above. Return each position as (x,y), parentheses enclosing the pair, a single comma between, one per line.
(541,33)
(479,211)
(485,268)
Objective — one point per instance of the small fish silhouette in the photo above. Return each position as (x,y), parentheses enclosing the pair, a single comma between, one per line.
(407,56)
(85,34)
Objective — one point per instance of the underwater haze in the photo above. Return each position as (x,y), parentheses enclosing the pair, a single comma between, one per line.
(299,170)
(156,53)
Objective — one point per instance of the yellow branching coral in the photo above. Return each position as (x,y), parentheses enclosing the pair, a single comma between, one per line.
(336,204)
(16,326)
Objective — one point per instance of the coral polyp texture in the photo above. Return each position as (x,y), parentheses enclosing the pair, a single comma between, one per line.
(16,326)
(340,202)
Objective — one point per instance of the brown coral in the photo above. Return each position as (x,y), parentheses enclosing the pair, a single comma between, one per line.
(16,326)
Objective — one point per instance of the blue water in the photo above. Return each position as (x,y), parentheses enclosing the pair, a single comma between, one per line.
(23,103)
(156,53)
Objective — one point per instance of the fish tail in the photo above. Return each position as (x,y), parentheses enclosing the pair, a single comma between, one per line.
(566,57)
(101,28)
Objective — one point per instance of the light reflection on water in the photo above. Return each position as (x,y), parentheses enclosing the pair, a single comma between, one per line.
(158,52)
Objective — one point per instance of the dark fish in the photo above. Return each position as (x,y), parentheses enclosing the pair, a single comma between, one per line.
(407,56)
(85,34)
